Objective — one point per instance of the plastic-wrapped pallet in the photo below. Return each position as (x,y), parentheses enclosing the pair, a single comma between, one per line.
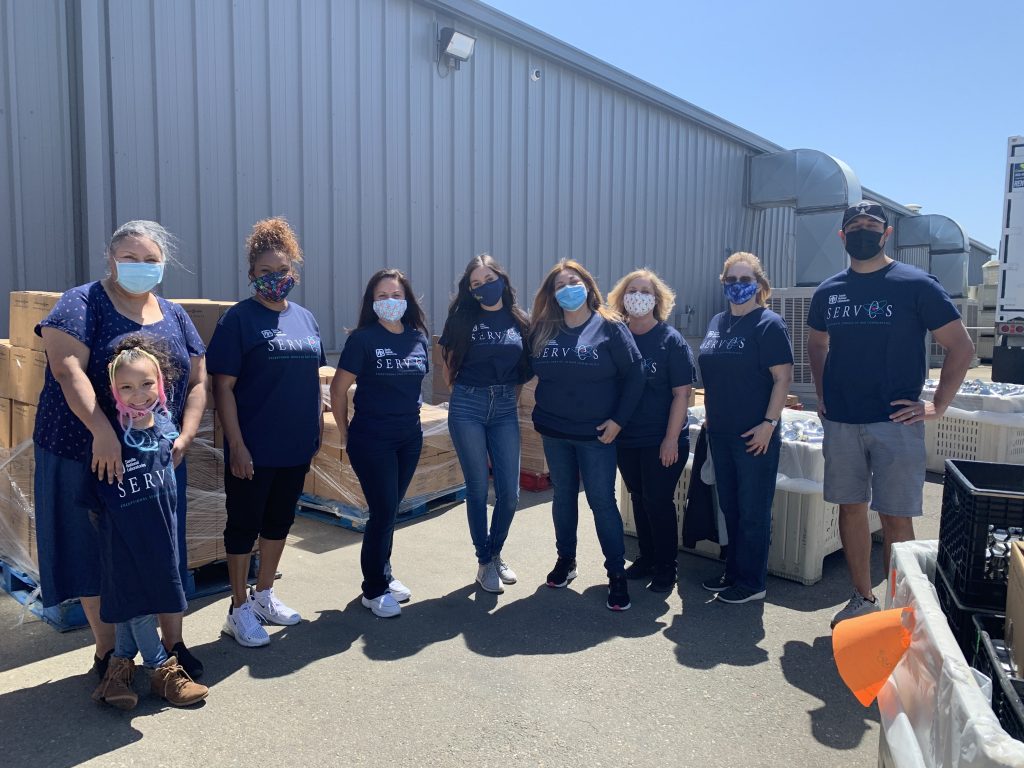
(17,510)
(437,474)
(932,710)
(206,515)
(981,395)
(532,458)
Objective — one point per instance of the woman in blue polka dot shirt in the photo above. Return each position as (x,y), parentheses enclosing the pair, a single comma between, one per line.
(73,434)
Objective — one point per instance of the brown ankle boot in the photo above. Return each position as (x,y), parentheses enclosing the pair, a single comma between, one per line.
(116,686)
(169,681)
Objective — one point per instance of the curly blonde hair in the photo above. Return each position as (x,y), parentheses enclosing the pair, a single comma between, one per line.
(274,234)
(664,297)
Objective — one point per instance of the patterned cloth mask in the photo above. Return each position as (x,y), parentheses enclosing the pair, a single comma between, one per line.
(638,304)
(390,310)
(739,293)
(274,286)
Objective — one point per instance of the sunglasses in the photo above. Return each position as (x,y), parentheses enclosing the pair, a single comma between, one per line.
(732,280)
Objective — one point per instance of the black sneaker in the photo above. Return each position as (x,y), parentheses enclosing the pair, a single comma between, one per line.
(740,595)
(717,585)
(663,581)
(640,569)
(618,593)
(193,667)
(99,666)
(563,572)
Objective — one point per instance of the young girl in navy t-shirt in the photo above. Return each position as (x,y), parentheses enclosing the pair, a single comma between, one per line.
(137,520)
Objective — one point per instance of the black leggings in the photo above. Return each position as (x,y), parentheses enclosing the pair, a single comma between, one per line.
(261,507)
(651,489)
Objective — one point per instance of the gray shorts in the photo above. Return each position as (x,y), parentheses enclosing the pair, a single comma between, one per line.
(882,462)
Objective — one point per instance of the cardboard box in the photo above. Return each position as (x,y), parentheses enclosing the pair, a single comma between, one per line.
(204,314)
(23,422)
(1015,604)
(5,423)
(28,309)
(5,368)
(27,374)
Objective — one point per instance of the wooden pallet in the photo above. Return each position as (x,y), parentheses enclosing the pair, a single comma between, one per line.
(337,513)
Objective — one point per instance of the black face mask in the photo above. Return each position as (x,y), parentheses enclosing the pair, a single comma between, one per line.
(863,244)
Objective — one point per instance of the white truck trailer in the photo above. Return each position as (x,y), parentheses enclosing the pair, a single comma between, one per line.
(1008,353)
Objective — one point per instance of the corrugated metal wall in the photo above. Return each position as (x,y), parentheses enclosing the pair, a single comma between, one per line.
(335,115)
(208,115)
(36,209)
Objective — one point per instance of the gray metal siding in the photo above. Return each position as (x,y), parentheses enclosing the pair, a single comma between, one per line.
(36,221)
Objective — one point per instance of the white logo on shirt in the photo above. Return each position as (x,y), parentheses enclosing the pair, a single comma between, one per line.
(384,352)
(837,298)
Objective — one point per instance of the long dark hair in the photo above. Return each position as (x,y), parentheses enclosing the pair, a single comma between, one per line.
(464,311)
(413,316)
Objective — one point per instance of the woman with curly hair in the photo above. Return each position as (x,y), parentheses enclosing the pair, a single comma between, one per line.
(654,445)
(485,364)
(590,380)
(265,357)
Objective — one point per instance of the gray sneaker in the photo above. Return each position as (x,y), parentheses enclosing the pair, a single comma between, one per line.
(487,577)
(858,606)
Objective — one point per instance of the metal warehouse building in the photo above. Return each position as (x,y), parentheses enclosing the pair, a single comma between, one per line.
(341,115)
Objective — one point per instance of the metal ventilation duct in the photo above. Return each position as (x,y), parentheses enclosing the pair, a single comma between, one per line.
(819,187)
(948,246)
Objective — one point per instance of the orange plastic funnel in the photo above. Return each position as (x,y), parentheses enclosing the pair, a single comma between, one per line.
(868,648)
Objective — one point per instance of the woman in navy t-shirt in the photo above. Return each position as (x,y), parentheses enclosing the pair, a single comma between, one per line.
(590,379)
(386,357)
(73,436)
(653,446)
(746,364)
(265,357)
(485,364)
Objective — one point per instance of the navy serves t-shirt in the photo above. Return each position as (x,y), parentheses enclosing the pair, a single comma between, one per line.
(495,349)
(276,357)
(876,323)
(734,360)
(668,363)
(389,370)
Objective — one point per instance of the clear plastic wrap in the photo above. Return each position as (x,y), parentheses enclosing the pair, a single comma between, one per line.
(978,395)
(532,458)
(17,509)
(206,515)
(932,710)
(437,474)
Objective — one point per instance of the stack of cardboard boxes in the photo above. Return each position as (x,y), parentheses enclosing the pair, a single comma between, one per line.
(332,477)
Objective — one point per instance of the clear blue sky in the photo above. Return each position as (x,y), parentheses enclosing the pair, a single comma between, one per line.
(918,98)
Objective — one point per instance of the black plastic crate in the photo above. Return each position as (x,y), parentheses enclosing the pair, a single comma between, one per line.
(960,617)
(992,661)
(976,496)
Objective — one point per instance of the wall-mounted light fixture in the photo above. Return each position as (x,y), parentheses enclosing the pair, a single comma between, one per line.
(453,48)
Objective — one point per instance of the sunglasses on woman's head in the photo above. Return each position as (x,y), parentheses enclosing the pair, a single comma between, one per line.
(732,279)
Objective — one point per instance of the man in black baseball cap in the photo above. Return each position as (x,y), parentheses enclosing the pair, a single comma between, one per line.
(866,346)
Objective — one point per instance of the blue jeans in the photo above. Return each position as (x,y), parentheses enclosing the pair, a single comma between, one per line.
(484,421)
(568,460)
(140,636)
(746,488)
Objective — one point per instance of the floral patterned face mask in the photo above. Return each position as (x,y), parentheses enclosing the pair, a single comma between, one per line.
(274,286)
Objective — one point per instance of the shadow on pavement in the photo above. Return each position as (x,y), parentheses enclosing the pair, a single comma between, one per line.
(841,722)
(708,633)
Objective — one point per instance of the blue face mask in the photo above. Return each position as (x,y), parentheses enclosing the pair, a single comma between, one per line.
(137,278)
(490,293)
(739,293)
(571,297)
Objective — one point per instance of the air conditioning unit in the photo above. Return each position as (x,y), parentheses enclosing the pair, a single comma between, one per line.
(792,304)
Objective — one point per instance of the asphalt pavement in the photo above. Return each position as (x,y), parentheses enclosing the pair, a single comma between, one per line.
(532,677)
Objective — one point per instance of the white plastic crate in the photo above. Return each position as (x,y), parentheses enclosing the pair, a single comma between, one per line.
(976,436)
(804,530)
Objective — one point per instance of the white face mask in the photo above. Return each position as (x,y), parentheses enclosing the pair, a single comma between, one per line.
(638,304)
(390,310)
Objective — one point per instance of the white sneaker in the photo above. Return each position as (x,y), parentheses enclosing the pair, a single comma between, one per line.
(384,606)
(487,577)
(269,609)
(243,625)
(858,606)
(506,574)
(399,591)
